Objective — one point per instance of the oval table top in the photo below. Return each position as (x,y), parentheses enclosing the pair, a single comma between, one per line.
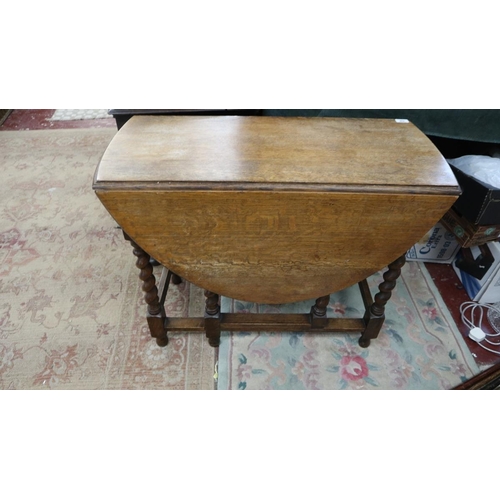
(271,209)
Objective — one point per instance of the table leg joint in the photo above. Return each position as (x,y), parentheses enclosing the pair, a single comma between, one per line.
(212,318)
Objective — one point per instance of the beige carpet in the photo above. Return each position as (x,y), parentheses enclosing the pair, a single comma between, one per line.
(72,315)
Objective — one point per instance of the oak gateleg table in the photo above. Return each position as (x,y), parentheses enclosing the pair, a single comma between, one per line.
(272,210)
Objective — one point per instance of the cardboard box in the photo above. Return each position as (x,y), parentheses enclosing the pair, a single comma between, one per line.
(468,234)
(479,201)
(479,271)
(438,245)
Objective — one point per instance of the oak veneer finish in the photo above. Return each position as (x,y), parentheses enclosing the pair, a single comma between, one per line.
(270,209)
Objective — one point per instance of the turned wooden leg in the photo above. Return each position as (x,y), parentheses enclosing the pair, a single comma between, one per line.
(318,312)
(375,314)
(212,318)
(156,312)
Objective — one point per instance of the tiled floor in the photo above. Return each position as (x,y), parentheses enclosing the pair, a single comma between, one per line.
(444,277)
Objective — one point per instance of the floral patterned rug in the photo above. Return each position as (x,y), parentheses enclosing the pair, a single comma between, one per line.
(72,314)
(419,346)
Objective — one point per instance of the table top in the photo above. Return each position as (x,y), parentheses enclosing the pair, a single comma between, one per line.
(270,209)
(255,152)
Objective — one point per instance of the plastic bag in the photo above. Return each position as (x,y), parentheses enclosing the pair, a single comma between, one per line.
(483,168)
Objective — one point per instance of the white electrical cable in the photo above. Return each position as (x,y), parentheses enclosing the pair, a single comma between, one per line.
(476,331)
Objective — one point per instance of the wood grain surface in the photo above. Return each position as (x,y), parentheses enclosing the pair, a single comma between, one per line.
(274,150)
(269,209)
(274,247)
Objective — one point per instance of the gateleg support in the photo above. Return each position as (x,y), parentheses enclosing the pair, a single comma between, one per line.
(156,316)
(375,314)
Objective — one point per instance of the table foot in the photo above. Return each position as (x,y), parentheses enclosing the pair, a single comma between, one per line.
(375,314)
(157,328)
(363,342)
(318,312)
(176,280)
